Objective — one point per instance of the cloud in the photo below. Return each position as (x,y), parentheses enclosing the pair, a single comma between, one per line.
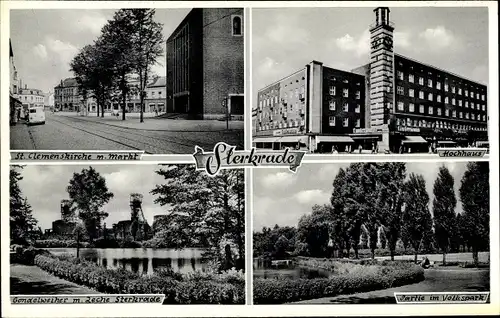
(41,51)
(64,50)
(438,37)
(359,46)
(286,31)
(402,39)
(280,180)
(315,196)
(480,74)
(90,22)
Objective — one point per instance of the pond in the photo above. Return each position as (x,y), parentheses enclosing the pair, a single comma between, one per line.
(140,260)
(289,270)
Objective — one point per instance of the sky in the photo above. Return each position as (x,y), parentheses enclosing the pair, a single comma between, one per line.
(285,40)
(45,41)
(45,186)
(281,197)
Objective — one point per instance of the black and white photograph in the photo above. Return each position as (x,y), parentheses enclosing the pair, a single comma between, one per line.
(128,229)
(158,80)
(356,233)
(364,80)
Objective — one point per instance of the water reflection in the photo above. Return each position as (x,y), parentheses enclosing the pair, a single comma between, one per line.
(141,260)
(290,270)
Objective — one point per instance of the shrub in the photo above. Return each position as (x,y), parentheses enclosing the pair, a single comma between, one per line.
(177,289)
(56,243)
(27,255)
(362,278)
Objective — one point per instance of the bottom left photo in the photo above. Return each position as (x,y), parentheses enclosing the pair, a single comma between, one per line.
(128,229)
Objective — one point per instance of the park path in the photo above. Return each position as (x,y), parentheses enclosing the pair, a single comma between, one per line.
(31,280)
(453,279)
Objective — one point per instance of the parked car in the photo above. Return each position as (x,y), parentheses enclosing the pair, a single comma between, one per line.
(36,116)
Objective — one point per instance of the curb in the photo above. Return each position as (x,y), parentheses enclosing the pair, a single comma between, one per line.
(165,130)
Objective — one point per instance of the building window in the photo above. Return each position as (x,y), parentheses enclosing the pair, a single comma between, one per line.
(332,90)
(466,104)
(412,107)
(411,92)
(466,115)
(439,111)
(472,105)
(453,89)
(446,100)
(421,80)
(358,109)
(477,95)
(429,97)
(400,90)
(459,91)
(453,101)
(447,112)
(332,120)
(237,29)
(401,106)
(429,83)
(333,105)
(431,110)
(421,95)
(400,75)
(358,123)
(466,93)
(472,116)
(345,122)
(439,98)
(410,78)
(358,94)
(445,87)
(460,114)
(422,109)
(345,92)
(483,107)
(438,85)
(471,94)
(346,107)
(484,117)
(482,97)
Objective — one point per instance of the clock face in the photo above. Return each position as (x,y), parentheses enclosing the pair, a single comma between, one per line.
(388,43)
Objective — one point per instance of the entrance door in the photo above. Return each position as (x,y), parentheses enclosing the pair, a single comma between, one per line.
(237,105)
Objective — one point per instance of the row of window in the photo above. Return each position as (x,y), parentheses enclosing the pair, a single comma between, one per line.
(270,101)
(430,111)
(37,98)
(282,124)
(345,92)
(345,106)
(436,124)
(411,93)
(454,89)
(332,121)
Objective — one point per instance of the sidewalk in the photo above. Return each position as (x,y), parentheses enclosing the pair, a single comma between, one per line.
(158,124)
(31,280)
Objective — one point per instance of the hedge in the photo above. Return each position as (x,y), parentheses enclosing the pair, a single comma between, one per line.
(281,290)
(177,290)
(56,243)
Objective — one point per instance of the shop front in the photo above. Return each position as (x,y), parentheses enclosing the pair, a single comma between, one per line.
(334,144)
(281,139)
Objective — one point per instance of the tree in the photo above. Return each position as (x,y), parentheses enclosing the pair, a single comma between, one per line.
(88,192)
(383,240)
(341,224)
(313,230)
(204,210)
(281,247)
(474,194)
(22,223)
(417,220)
(443,207)
(146,38)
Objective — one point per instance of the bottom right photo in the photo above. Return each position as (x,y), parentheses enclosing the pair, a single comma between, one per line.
(337,233)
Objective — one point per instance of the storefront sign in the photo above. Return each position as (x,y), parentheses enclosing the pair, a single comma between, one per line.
(372,130)
(287,131)
(409,129)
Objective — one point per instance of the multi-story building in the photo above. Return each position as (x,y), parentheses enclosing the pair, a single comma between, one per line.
(315,108)
(67,96)
(14,103)
(49,101)
(156,95)
(205,64)
(409,106)
(30,97)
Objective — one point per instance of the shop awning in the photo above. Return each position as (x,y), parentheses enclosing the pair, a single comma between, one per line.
(346,139)
(449,142)
(265,139)
(414,140)
(293,139)
(482,143)
(361,137)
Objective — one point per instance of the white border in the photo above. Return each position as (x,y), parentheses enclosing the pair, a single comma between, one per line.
(147,310)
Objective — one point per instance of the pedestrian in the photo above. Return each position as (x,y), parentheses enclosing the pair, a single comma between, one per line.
(360,148)
(334,150)
(18,114)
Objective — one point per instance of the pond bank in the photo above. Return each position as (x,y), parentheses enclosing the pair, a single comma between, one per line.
(31,280)
(453,279)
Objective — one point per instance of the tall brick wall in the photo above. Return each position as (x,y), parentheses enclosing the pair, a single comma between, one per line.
(223,59)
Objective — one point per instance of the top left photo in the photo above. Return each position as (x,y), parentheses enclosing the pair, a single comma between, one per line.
(158,80)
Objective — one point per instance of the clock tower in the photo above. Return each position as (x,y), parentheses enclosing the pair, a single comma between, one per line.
(381,73)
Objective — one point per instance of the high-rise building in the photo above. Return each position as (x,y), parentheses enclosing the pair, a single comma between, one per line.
(205,64)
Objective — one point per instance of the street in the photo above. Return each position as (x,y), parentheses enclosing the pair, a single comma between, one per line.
(75,133)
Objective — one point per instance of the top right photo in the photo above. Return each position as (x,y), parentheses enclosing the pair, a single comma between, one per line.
(370,80)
